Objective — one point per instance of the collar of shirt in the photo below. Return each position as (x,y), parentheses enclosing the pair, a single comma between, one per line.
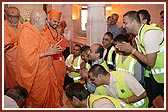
(139,31)
(99,61)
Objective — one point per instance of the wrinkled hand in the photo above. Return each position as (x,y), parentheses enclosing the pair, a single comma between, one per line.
(54,50)
(124,46)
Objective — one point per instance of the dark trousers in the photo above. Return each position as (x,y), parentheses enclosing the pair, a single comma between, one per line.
(68,80)
(152,88)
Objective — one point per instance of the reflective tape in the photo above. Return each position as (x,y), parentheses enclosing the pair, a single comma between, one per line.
(157,71)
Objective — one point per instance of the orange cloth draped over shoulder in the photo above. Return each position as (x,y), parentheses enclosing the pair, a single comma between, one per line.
(58,61)
(36,74)
(10,37)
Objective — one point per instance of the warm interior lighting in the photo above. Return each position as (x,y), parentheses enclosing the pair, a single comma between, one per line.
(108,8)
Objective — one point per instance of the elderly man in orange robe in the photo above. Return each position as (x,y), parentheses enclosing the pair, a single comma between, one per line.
(54,36)
(35,70)
(12,27)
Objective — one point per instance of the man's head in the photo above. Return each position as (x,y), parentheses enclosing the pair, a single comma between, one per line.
(61,27)
(114,18)
(108,20)
(120,38)
(54,17)
(38,19)
(97,74)
(130,20)
(12,16)
(162,17)
(85,53)
(77,93)
(107,39)
(144,16)
(76,50)
(96,52)
(18,94)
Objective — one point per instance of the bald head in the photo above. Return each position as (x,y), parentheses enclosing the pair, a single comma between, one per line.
(12,10)
(13,15)
(38,19)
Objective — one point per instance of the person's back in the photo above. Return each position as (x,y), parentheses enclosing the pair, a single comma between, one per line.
(118,84)
(15,97)
(81,98)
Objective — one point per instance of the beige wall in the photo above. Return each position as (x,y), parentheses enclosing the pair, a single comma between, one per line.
(25,9)
(154,10)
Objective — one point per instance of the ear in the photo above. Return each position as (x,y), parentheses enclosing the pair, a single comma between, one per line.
(99,76)
(75,99)
(144,21)
(98,54)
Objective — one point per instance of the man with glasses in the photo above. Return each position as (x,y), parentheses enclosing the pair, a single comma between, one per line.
(12,27)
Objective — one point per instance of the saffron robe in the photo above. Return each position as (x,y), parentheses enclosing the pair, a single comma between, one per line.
(36,74)
(58,61)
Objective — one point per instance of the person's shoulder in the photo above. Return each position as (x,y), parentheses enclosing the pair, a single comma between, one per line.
(9,102)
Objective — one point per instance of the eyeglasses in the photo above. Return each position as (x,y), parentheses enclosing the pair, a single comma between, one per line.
(13,16)
(92,80)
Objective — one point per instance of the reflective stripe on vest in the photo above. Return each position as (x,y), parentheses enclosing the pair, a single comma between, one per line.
(76,65)
(129,67)
(76,78)
(157,71)
(159,63)
(109,56)
(139,103)
(115,101)
(124,91)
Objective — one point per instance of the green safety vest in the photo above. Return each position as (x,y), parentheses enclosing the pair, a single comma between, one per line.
(127,65)
(88,66)
(104,64)
(76,65)
(109,56)
(100,89)
(115,101)
(158,69)
(124,92)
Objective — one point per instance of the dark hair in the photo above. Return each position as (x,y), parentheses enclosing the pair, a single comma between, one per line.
(145,15)
(108,17)
(161,12)
(100,50)
(17,93)
(77,90)
(133,15)
(77,46)
(109,34)
(85,48)
(97,69)
(115,15)
(121,38)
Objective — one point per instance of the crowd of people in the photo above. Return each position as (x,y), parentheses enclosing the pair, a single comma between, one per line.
(126,70)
